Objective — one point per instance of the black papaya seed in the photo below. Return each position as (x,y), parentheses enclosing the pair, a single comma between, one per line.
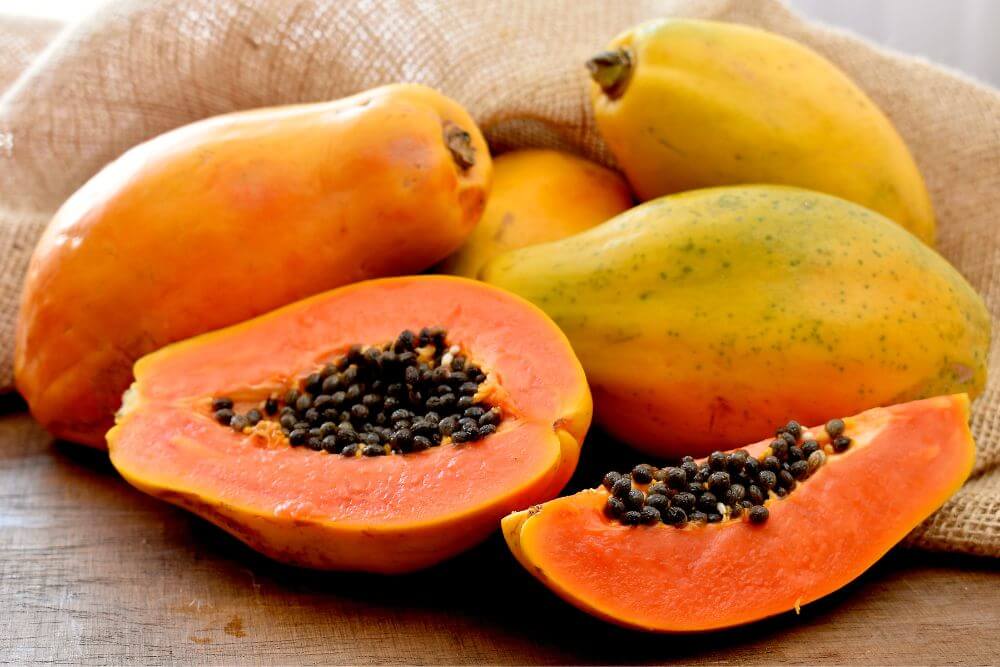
(677,478)
(658,488)
(224,416)
(684,501)
(719,482)
(649,515)
(222,403)
(799,470)
(631,518)
(660,502)
(642,473)
(707,502)
(635,499)
(674,516)
(614,507)
(768,479)
(717,461)
(621,488)
(609,479)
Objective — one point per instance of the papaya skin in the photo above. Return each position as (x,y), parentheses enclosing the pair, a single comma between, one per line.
(388,514)
(230,217)
(905,462)
(539,196)
(704,318)
(686,104)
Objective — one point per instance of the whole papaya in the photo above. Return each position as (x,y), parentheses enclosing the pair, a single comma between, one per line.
(686,104)
(227,218)
(705,318)
(538,196)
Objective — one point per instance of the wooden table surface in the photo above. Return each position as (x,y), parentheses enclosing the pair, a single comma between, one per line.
(95,572)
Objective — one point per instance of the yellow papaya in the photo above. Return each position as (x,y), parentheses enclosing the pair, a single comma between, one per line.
(686,104)
(538,196)
(229,217)
(704,318)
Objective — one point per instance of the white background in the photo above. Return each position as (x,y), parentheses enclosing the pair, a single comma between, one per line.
(964,34)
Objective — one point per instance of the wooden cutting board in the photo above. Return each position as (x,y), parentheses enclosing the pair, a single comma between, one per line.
(92,571)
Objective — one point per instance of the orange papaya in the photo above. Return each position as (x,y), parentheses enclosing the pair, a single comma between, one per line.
(231,217)
(539,196)
(383,426)
(864,484)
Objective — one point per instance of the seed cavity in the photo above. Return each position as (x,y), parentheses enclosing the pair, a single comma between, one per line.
(413,393)
(726,486)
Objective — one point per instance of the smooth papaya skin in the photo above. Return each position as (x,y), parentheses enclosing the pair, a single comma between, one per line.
(905,462)
(705,318)
(538,196)
(231,217)
(387,514)
(702,103)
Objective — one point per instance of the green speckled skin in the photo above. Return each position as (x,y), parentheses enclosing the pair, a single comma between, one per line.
(706,319)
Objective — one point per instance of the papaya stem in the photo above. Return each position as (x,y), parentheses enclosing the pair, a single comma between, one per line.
(459,142)
(611,70)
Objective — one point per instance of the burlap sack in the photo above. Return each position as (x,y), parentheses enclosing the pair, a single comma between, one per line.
(139,68)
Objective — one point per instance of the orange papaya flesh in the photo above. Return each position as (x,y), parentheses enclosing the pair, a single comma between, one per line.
(231,217)
(383,514)
(904,462)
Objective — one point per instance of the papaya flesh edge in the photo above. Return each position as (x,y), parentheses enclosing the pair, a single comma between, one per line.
(228,218)
(387,514)
(905,461)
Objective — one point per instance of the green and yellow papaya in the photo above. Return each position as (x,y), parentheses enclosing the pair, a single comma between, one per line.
(686,104)
(702,319)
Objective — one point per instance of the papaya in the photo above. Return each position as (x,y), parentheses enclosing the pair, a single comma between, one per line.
(702,318)
(686,104)
(537,196)
(231,217)
(902,463)
(383,426)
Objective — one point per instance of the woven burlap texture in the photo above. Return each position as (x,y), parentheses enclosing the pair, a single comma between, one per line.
(136,69)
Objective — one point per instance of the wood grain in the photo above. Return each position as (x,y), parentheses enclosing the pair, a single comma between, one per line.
(94,572)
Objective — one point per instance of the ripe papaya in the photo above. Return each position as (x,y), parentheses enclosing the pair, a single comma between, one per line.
(903,463)
(703,318)
(430,407)
(538,196)
(686,104)
(230,217)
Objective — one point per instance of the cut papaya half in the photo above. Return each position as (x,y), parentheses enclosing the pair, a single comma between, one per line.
(384,426)
(886,470)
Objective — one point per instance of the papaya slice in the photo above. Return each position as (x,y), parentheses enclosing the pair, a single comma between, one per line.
(388,513)
(903,462)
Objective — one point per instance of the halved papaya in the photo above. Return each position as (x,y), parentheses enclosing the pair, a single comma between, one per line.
(896,467)
(372,503)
